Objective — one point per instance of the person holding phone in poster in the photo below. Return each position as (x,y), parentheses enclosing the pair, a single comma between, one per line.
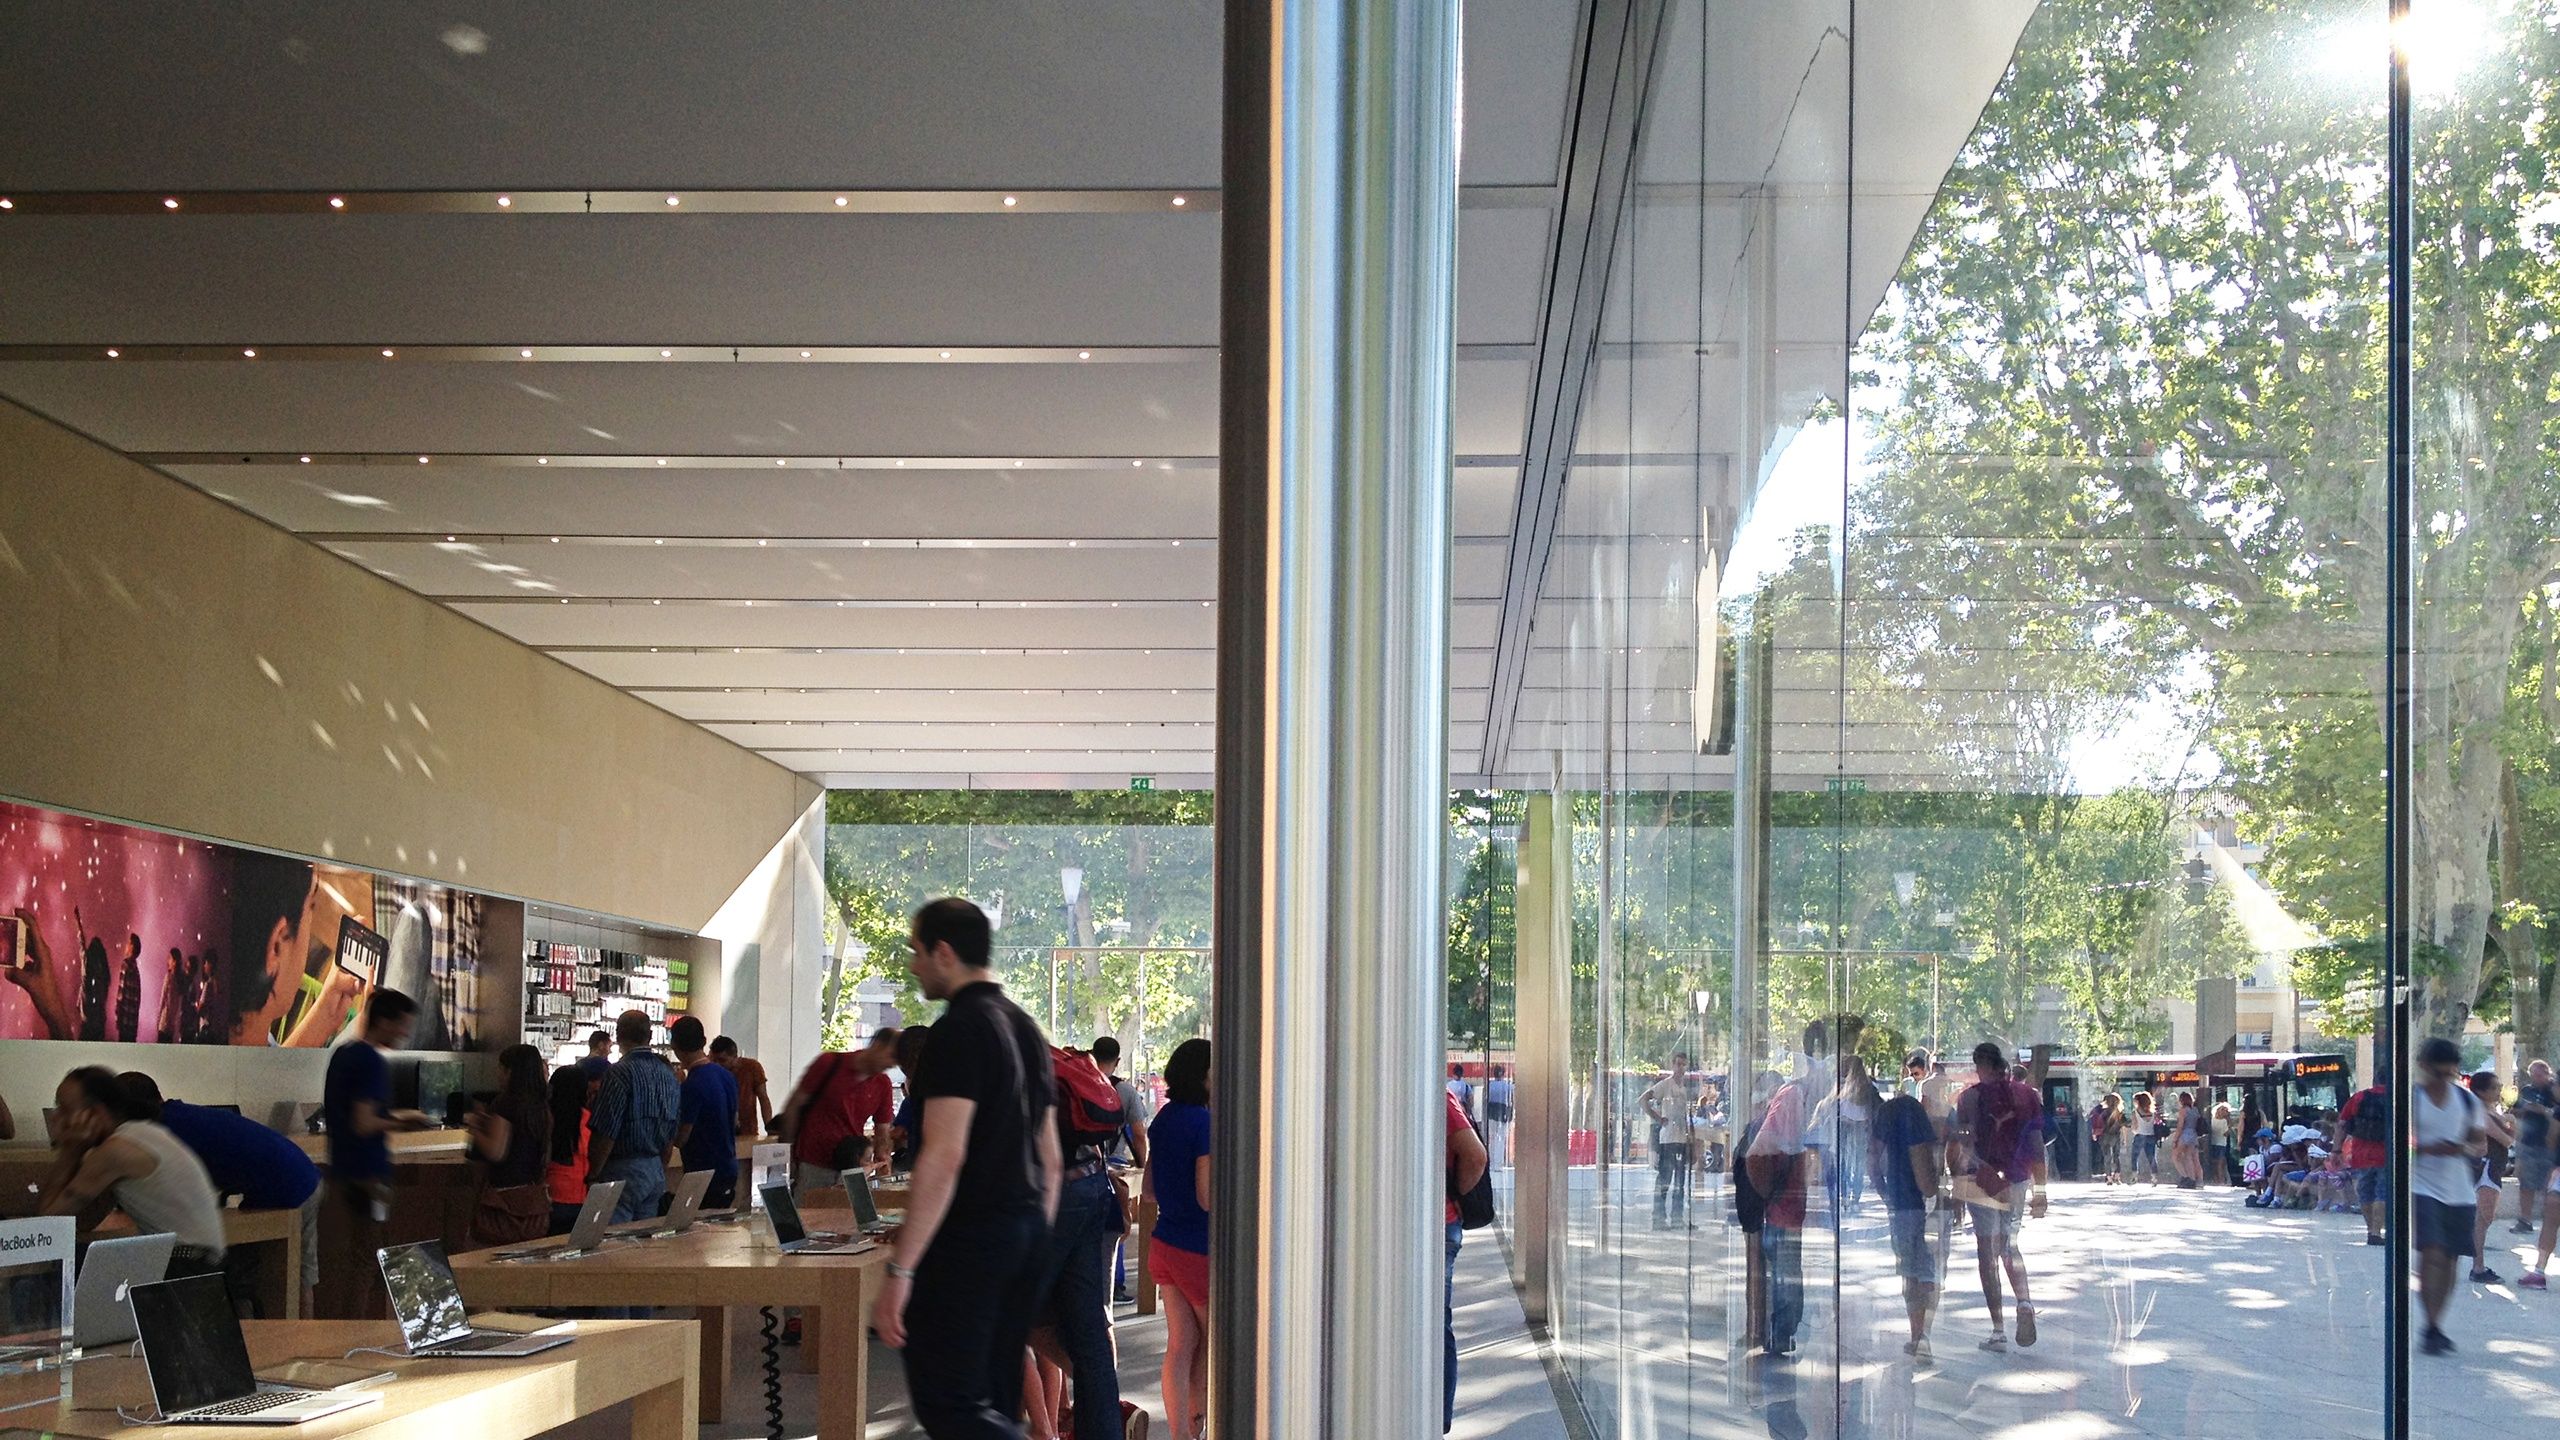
(31,970)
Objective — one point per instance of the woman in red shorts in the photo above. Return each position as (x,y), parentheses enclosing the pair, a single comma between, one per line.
(1178,1252)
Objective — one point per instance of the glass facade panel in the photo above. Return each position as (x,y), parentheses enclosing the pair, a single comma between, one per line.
(1970,627)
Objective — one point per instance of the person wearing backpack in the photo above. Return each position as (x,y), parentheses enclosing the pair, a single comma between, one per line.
(2366,1126)
(1074,1326)
(2000,1174)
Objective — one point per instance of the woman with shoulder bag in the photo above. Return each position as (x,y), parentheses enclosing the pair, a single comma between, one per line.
(511,1137)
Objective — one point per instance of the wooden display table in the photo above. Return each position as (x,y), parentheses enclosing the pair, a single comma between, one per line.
(647,1362)
(712,1269)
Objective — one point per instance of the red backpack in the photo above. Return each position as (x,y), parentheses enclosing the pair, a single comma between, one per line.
(1088,1106)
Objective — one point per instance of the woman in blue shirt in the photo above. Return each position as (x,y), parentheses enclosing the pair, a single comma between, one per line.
(1178,1252)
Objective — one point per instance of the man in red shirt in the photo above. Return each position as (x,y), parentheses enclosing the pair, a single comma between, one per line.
(2365,1127)
(842,1097)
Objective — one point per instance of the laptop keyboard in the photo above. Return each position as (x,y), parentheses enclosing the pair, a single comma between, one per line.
(257,1404)
(476,1340)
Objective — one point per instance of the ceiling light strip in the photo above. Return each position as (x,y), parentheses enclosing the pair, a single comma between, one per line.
(662,353)
(992,652)
(837,200)
(824,200)
(470,540)
(693,353)
(408,459)
(827,603)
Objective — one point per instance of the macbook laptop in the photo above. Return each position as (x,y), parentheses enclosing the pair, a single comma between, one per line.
(784,1214)
(429,1307)
(100,1314)
(198,1363)
(688,1206)
(866,1211)
(587,1235)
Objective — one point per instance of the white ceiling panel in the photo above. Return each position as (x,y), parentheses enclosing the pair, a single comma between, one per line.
(1085,627)
(786,572)
(678,408)
(1146,501)
(950,673)
(936,706)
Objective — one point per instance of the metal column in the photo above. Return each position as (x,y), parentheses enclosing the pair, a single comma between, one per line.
(1542,910)
(1340,203)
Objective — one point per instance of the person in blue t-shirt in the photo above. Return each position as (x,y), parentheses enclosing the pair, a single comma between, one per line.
(244,1158)
(1905,1164)
(706,1114)
(1178,1252)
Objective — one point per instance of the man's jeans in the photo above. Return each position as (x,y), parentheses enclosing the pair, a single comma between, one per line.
(644,1186)
(968,1319)
(1670,1178)
(1782,1261)
(1075,1273)
(1448,1331)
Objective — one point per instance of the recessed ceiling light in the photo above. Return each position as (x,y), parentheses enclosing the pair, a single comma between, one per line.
(387,354)
(505,201)
(1009,202)
(555,539)
(422,459)
(946,354)
(657,602)
(1179,202)
(902,464)
(114,354)
(336,203)
(674,200)
(781,462)
(527,354)
(1137,464)
(7,204)
(564,599)
(306,459)
(840,202)
(804,354)
(448,539)
(760,542)
(169,204)
(658,542)
(1084,354)
(666,354)
(1017,464)
(544,460)
(252,354)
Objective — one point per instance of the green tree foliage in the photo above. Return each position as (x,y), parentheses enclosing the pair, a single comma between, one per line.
(2128,399)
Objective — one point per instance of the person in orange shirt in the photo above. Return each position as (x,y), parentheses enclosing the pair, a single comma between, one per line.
(755,1101)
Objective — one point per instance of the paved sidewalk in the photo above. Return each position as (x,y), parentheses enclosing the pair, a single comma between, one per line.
(2163,1313)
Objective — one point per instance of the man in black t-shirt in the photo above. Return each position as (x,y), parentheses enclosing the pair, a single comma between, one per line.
(960,1297)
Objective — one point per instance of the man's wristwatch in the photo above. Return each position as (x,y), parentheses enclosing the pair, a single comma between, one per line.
(900,1272)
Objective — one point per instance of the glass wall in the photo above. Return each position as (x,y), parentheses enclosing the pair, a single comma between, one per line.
(1100,928)
(1967,658)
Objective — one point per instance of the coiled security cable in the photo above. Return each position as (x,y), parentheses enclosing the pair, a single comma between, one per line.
(771,1331)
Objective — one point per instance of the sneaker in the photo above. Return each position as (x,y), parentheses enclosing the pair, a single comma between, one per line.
(2483,1275)
(2522,1227)
(1123,1297)
(2533,1280)
(1133,1421)
(2437,1342)
(1998,1342)
(2026,1326)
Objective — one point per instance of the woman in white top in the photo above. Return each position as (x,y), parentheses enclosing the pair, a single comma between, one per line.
(106,1161)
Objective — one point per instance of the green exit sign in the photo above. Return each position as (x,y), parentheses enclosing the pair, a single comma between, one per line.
(1845,785)
(1142,782)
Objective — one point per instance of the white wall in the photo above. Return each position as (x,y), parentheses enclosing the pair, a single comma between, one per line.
(772,949)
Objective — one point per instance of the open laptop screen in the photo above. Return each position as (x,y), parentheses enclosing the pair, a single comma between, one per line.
(857,1188)
(423,1294)
(784,1213)
(191,1343)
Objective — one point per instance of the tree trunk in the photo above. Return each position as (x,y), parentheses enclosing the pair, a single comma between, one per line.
(2528,979)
